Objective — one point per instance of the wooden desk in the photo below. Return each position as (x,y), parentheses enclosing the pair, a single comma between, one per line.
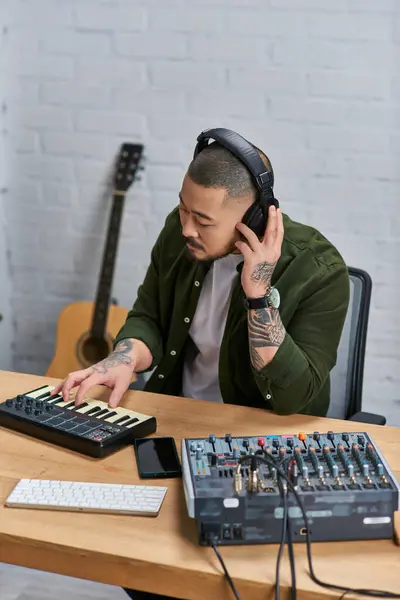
(162,555)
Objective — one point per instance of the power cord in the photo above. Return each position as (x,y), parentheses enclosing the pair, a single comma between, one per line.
(229,578)
(287,528)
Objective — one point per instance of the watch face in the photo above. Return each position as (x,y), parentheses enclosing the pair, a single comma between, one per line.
(274,298)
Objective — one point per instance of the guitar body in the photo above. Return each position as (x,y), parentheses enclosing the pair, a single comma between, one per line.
(75,347)
(86,330)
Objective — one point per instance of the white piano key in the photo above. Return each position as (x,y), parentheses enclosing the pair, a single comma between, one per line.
(43,390)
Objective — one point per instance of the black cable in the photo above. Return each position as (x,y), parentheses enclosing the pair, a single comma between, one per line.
(373,593)
(291,558)
(229,578)
(283,541)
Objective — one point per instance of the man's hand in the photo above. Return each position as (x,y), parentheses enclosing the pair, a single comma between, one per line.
(115,372)
(260,258)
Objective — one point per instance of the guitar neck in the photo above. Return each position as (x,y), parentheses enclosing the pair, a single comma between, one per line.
(104,287)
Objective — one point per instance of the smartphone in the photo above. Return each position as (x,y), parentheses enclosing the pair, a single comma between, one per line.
(157,458)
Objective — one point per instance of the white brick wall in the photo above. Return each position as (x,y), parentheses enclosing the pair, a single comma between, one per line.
(313,82)
(6,324)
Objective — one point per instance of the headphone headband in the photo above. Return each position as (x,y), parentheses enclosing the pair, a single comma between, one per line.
(246,153)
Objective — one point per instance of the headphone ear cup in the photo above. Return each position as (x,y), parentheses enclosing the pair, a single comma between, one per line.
(255,219)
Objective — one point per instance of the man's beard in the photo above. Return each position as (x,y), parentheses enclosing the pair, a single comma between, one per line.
(207,258)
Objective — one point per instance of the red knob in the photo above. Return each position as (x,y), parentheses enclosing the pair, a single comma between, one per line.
(261,442)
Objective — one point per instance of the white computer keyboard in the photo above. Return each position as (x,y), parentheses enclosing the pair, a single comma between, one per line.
(142,500)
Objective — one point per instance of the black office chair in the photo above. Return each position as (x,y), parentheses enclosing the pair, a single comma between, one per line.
(348,374)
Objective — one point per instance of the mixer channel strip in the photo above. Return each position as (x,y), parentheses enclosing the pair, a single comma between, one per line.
(91,428)
(343,479)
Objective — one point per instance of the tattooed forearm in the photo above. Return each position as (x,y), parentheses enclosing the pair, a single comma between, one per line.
(121,355)
(262,273)
(266,334)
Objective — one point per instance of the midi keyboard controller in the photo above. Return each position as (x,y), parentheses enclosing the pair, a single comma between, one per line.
(92,428)
(344,483)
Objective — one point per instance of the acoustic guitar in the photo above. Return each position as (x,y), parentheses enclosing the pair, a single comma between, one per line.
(85,330)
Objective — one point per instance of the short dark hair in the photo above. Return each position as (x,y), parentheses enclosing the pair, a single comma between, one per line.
(217,167)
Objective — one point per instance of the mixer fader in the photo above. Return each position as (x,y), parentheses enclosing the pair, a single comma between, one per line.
(343,480)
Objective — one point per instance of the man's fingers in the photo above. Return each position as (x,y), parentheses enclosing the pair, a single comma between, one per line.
(250,236)
(271,228)
(280,230)
(85,386)
(57,388)
(244,249)
(116,394)
(72,381)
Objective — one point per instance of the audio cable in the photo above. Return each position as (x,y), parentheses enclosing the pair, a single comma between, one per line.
(255,484)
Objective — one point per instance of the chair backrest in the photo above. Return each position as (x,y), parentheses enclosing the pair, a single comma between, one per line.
(348,373)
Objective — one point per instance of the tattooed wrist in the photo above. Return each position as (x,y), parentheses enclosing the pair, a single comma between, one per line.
(121,355)
(266,331)
(262,273)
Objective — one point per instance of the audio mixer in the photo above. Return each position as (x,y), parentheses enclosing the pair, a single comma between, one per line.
(91,428)
(234,490)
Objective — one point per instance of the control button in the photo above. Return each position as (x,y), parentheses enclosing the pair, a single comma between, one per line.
(261,442)
(330,435)
(345,437)
(275,443)
(246,443)
(290,442)
(211,438)
(302,436)
(236,452)
(187,320)
(9,402)
(360,440)
(228,438)
(316,436)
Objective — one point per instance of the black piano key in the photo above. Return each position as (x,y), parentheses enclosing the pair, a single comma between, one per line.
(57,400)
(134,420)
(45,395)
(69,404)
(121,419)
(111,414)
(93,411)
(81,405)
(103,413)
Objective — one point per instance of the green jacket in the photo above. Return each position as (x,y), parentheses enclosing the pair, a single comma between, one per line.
(313,282)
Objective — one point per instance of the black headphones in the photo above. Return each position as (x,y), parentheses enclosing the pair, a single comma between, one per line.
(256,216)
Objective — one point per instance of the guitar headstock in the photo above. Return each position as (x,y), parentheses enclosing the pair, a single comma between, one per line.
(127,166)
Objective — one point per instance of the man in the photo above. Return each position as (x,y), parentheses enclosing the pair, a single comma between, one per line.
(225,314)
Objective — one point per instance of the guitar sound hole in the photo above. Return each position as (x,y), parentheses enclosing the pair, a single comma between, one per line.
(94,350)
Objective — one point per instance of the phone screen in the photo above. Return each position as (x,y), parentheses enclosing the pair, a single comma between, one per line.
(157,457)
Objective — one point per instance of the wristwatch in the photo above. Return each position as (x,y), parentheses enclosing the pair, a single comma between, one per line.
(271,300)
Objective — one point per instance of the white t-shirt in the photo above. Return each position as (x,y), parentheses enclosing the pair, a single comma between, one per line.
(200,372)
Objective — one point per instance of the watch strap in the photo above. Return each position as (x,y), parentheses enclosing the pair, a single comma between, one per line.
(257,303)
